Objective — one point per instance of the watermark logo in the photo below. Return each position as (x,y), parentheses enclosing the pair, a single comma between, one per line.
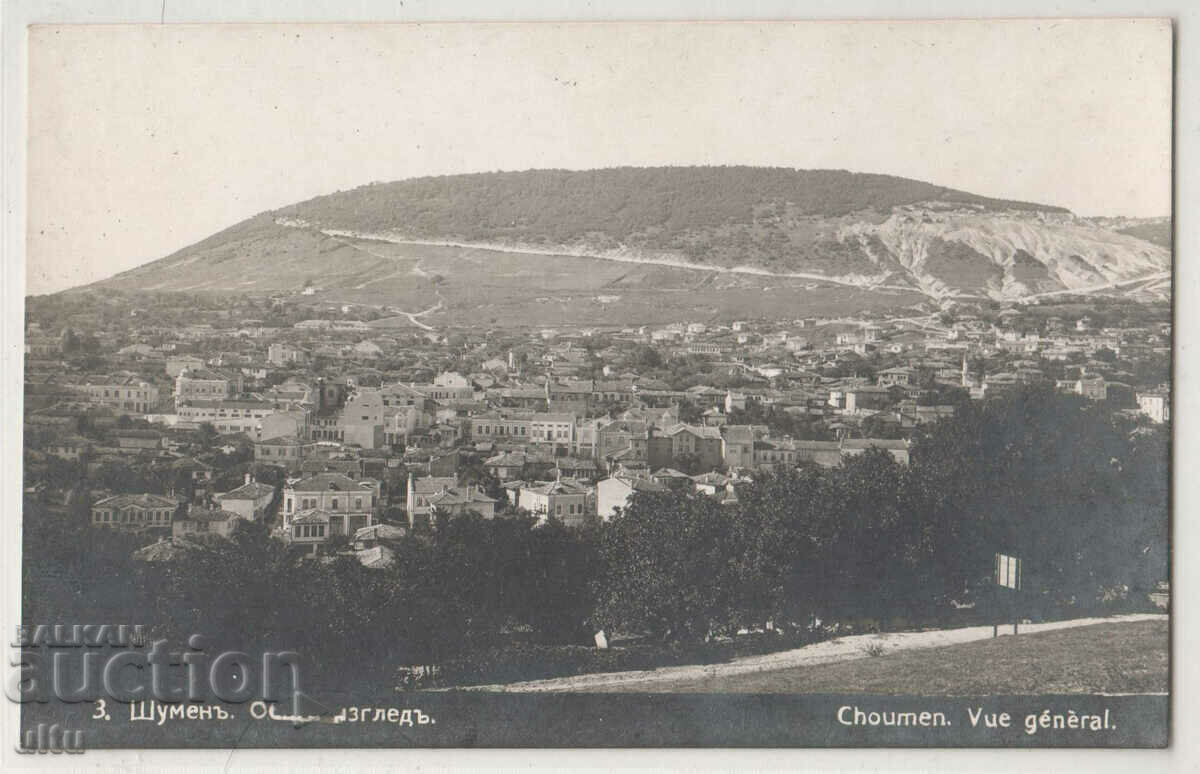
(104,664)
(49,738)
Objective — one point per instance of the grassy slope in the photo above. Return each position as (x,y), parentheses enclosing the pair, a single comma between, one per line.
(1105,658)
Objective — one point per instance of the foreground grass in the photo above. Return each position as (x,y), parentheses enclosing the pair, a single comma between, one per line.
(1104,658)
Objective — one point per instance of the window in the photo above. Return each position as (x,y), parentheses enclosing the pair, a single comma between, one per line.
(358,503)
(333,504)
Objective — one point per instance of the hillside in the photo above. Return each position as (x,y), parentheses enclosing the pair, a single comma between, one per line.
(575,236)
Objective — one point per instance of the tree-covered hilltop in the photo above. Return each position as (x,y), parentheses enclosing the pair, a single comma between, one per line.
(652,206)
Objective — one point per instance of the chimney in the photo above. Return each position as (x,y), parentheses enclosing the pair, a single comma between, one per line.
(249,478)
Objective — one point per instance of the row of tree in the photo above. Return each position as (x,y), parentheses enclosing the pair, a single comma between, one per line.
(1075,490)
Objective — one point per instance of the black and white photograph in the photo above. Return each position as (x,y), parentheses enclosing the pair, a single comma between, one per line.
(647,384)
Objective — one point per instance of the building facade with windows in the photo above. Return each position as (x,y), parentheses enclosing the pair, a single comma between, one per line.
(350,503)
(135,512)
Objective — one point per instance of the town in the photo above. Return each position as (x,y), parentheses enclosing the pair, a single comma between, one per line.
(345,428)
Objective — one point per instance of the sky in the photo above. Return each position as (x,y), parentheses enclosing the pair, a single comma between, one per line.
(146,138)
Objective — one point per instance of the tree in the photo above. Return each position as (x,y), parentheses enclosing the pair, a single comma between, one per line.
(647,357)
(667,568)
(207,435)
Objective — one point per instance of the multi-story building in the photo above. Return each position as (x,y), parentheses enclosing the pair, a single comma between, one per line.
(281,354)
(205,384)
(343,504)
(614,493)
(287,451)
(558,429)
(702,443)
(362,420)
(293,422)
(566,499)
(738,446)
(123,394)
(502,426)
(227,416)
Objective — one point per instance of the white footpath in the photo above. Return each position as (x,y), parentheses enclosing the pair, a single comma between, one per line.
(839,649)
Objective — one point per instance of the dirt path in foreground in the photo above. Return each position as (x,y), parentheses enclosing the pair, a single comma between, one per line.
(840,649)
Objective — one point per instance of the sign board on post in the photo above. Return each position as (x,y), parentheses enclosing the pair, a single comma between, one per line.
(1008,572)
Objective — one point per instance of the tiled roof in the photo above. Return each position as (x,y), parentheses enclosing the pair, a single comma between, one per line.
(379,532)
(311,516)
(215,514)
(431,484)
(563,486)
(866,443)
(459,497)
(252,491)
(138,500)
(322,482)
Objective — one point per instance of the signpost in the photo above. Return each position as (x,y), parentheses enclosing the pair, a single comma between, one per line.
(1006,573)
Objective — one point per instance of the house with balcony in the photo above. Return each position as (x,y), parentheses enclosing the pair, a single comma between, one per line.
(343,504)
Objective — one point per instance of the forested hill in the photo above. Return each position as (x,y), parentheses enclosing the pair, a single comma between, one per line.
(656,207)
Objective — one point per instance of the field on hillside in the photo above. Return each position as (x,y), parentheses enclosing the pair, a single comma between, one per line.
(1104,658)
(488,287)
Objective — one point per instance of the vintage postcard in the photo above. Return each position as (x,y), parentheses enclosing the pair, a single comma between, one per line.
(758,384)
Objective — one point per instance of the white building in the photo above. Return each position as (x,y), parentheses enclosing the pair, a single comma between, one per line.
(1155,404)
(615,493)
